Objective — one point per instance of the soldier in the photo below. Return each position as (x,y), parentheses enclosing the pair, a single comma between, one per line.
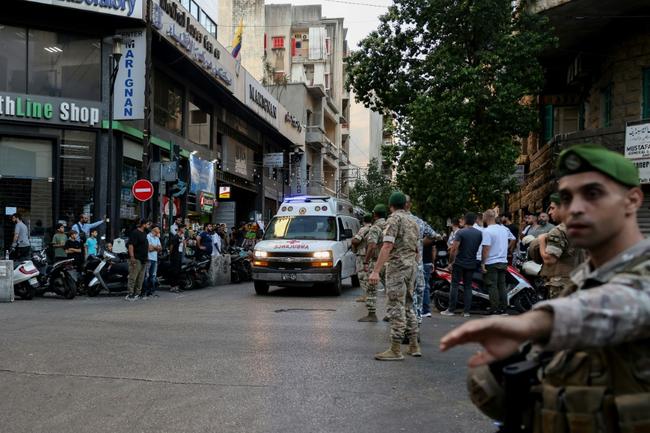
(374,244)
(399,253)
(359,246)
(597,380)
(559,255)
(426,236)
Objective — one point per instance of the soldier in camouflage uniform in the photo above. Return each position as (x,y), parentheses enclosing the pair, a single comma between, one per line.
(599,377)
(374,244)
(359,246)
(427,234)
(559,255)
(399,253)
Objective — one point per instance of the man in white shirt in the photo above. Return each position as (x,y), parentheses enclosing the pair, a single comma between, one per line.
(494,262)
(478,225)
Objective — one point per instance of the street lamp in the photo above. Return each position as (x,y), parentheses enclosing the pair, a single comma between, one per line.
(114,61)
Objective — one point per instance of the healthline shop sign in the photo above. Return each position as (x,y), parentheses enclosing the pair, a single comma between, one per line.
(123,8)
(42,109)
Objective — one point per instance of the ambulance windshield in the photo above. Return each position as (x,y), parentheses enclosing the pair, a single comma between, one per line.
(319,228)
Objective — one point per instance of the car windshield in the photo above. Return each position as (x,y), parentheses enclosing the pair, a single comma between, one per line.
(319,228)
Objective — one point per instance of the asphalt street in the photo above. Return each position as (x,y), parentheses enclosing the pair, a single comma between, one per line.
(223,360)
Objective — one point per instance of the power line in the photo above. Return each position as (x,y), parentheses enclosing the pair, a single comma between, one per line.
(357,3)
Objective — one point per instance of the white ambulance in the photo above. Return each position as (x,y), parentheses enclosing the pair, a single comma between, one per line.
(308,242)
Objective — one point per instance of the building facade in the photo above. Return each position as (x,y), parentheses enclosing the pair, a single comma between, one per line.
(60,154)
(597,89)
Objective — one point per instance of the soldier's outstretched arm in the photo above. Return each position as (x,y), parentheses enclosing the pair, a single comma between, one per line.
(500,336)
(607,315)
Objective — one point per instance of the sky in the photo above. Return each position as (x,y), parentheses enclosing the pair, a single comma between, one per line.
(361,17)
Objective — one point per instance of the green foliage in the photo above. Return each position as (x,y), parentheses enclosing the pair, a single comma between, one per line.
(456,73)
(374,189)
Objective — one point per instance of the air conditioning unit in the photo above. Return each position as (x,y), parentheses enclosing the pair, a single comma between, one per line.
(305,37)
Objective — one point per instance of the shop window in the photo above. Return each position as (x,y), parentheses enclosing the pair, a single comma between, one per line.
(26,158)
(168,103)
(77,159)
(64,65)
(129,207)
(606,106)
(13,59)
(200,120)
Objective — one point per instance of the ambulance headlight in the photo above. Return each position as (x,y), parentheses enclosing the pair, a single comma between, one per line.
(261,254)
(323,255)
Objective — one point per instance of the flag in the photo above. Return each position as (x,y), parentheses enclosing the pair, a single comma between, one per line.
(236,43)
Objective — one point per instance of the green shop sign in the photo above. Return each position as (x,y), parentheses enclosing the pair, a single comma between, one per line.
(44,109)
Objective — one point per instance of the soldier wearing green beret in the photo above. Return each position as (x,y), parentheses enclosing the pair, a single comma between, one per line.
(374,239)
(399,253)
(359,246)
(599,335)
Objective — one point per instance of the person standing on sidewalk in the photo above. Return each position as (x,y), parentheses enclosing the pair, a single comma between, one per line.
(21,238)
(463,264)
(138,257)
(84,226)
(75,250)
(399,253)
(58,243)
(497,240)
(359,247)
(176,252)
(154,247)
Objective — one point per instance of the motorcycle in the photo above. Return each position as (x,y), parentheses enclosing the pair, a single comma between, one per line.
(107,272)
(520,294)
(56,278)
(184,277)
(199,270)
(240,265)
(25,279)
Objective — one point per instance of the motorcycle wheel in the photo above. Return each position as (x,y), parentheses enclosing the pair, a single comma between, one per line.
(70,288)
(24,291)
(234,277)
(440,302)
(524,301)
(92,291)
(186,283)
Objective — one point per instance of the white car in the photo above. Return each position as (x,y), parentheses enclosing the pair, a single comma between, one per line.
(308,242)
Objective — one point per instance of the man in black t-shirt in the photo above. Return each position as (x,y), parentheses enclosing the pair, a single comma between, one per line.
(463,259)
(138,259)
(74,249)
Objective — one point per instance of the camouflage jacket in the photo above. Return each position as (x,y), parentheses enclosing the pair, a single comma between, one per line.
(376,235)
(403,233)
(362,237)
(611,305)
(569,257)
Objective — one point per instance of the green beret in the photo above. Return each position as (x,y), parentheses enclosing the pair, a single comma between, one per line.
(582,158)
(367,217)
(380,210)
(397,199)
(555,198)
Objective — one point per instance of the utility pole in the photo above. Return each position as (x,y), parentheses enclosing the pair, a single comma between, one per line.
(146,136)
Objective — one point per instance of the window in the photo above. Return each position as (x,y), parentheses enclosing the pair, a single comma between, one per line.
(194,9)
(302,228)
(13,59)
(328,46)
(25,158)
(185,4)
(565,120)
(645,109)
(278,42)
(77,159)
(168,103)
(606,106)
(548,123)
(64,65)
(200,117)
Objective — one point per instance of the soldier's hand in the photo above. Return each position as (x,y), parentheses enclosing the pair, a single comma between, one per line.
(499,336)
(374,278)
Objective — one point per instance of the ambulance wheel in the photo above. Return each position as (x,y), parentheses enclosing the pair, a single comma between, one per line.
(261,288)
(337,287)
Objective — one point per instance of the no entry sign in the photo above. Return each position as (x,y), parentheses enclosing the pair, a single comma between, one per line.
(142,190)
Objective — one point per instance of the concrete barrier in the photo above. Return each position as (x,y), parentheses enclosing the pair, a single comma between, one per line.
(6,281)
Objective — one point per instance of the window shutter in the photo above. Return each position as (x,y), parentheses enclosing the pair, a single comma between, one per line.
(293,47)
(646,94)
(548,122)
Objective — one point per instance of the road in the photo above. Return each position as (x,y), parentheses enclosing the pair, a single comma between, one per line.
(222,360)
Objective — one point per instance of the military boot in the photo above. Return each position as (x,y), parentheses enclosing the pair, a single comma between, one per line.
(392,354)
(361,299)
(371,317)
(414,347)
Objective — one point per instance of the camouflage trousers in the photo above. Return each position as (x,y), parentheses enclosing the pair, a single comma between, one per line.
(371,294)
(400,287)
(556,285)
(362,275)
(418,294)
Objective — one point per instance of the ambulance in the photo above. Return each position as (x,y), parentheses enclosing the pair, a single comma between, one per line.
(308,243)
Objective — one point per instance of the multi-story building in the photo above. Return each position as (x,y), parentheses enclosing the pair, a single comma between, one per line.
(597,89)
(59,153)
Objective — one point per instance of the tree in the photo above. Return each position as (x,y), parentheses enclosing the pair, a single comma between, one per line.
(458,75)
(373,189)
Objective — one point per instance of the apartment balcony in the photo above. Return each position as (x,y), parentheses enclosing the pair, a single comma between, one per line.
(345,129)
(330,150)
(301,55)
(344,160)
(315,136)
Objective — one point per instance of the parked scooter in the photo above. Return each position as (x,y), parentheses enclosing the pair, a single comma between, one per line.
(240,265)
(25,279)
(520,294)
(107,272)
(56,278)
